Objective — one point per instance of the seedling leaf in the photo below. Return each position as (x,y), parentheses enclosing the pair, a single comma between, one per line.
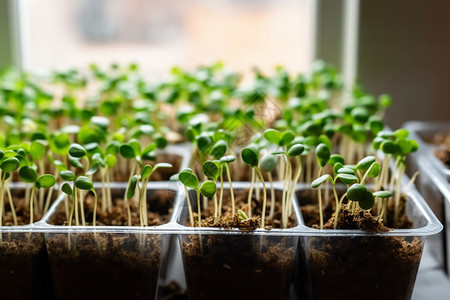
(316,183)
(208,189)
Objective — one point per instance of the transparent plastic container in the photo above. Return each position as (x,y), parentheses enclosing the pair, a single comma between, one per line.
(348,264)
(423,132)
(24,270)
(107,262)
(436,190)
(248,265)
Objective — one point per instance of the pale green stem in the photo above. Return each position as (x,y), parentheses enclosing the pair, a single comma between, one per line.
(272,196)
(220,196)
(250,194)
(95,207)
(233,208)
(11,204)
(199,211)
(31,203)
(320,200)
(191,217)
(263,214)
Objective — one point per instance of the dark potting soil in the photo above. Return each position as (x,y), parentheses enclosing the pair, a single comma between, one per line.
(24,271)
(172,291)
(376,267)
(107,265)
(442,141)
(245,266)
(159,210)
(228,221)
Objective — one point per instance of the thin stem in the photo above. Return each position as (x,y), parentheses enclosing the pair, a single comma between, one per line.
(11,204)
(77,222)
(199,211)
(221,194)
(95,207)
(296,178)
(215,208)
(338,207)
(2,183)
(104,197)
(250,194)
(272,196)
(82,196)
(233,208)
(191,216)
(127,205)
(31,203)
(72,208)
(108,192)
(263,214)
(320,200)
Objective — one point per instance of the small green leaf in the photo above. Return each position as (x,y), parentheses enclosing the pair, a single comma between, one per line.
(66,188)
(347,178)
(76,150)
(110,160)
(323,154)
(287,137)
(127,151)
(133,143)
(163,165)
(316,183)
(28,174)
(146,171)
(389,147)
(208,189)
(37,150)
(296,150)
(160,141)
(188,179)
(401,133)
(10,164)
(356,192)
(365,163)
(242,216)
(337,166)
(368,201)
(250,157)
(336,158)
(211,169)
(67,175)
(174,177)
(46,181)
(345,170)
(227,159)
(272,136)
(219,149)
(132,187)
(269,162)
(84,183)
(383,194)
(203,143)
(375,170)
(75,162)
(93,168)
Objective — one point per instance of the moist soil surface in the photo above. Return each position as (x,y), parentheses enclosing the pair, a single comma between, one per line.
(442,141)
(24,271)
(373,267)
(246,265)
(158,212)
(107,265)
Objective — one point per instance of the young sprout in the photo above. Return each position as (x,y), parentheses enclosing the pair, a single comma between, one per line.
(224,161)
(212,169)
(146,172)
(207,189)
(242,216)
(29,175)
(251,157)
(322,155)
(7,165)
(268,164)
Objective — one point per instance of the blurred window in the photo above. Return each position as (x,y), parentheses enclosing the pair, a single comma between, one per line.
(158,34)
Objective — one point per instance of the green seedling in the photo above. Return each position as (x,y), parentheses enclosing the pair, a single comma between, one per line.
(224,162)
(251,157)
(7,165)
(207,189)
(29,175)
(212,170)
(323,155)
